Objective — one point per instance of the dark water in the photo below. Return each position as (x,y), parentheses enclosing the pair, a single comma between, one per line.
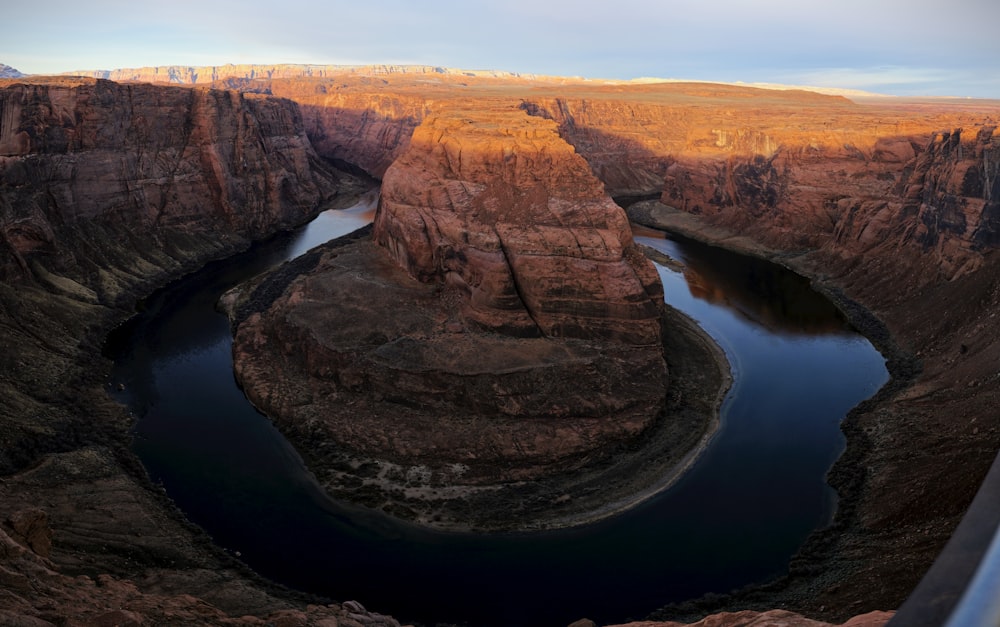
(735,518)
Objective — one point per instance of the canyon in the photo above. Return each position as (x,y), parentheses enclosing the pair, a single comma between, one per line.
(110,189)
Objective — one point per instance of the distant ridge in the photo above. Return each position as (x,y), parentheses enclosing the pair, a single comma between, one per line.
(8,72)
(206,74)
(829,91)
(193,75)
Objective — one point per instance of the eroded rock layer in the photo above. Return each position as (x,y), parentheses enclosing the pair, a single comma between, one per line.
(498,206)
(82,156)
(504,328)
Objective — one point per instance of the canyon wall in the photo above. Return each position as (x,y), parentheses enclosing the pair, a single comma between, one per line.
(106,192)
(496,204)
(931,194)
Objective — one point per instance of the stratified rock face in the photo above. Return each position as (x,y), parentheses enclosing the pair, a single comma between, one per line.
(79,155)
(369,130)
(929,195)
(496,204)
(947,207)
(108,190)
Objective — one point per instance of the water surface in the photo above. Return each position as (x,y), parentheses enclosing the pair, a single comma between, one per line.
(735,518)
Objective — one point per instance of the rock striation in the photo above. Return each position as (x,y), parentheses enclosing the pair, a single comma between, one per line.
(108,190)
(205,74)
(505,329)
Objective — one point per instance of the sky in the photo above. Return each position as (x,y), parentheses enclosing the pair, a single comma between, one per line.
(901,47)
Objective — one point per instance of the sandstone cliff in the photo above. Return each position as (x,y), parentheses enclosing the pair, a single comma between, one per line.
(925,194)
(83,155)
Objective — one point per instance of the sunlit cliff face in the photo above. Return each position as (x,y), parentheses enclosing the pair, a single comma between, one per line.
(496,204)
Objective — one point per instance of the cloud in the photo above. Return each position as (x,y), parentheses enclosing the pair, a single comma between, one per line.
(878,44)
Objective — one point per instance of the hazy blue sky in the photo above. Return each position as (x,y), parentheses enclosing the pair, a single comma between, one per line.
(933,47)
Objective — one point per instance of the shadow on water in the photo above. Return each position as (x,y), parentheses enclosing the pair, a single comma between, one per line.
(735,518)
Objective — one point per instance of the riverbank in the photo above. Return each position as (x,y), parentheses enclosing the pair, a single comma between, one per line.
(888,527)
(615,477)
(87,536)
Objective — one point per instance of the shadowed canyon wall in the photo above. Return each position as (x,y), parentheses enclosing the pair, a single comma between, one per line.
(142,161)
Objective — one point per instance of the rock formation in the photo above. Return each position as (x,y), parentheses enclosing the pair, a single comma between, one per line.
(507,329)
(106,192)
(8,72)
(498,206)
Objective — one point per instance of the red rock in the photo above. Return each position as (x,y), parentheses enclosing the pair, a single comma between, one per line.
(31,528)
(497,205)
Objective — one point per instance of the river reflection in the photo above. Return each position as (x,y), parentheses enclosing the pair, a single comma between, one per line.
(765,293)
(735,518)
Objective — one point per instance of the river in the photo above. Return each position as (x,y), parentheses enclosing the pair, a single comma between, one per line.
(735,518)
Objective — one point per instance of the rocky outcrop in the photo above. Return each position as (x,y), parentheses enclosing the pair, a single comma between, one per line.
(497,205)
(504,329)
(945,204)
(928,194)
(8,72)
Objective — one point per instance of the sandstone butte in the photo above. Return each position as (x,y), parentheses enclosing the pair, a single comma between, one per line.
(889,205)
(502,329)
